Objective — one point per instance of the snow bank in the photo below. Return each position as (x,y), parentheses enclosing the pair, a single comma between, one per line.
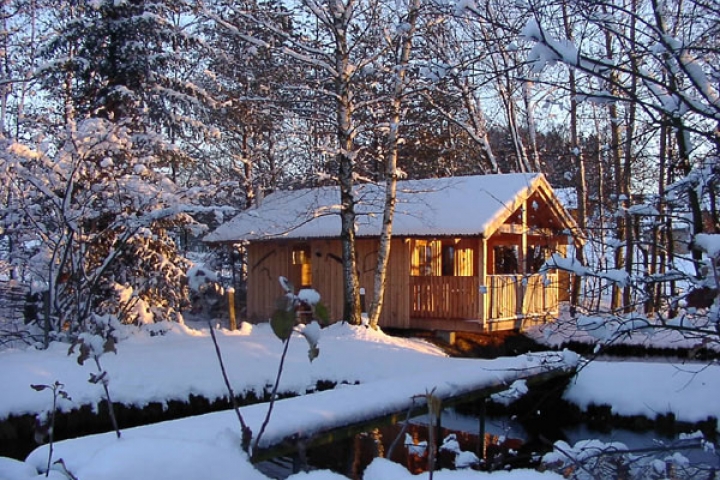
(382,469)
(649,389)
(207,446)
(182,363)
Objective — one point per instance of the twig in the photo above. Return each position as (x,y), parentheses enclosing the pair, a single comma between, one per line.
(246,432)
(273,396)
(67,472)
(403,430)
(111,408)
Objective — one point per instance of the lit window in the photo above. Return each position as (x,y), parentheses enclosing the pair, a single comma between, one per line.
(301,261)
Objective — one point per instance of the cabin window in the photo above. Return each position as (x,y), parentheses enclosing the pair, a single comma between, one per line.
(506,260)
(426,260)
(448,260)
(302,265)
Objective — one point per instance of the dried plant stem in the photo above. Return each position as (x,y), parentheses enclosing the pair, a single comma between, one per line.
(111,407)
(273,396)
(246,432)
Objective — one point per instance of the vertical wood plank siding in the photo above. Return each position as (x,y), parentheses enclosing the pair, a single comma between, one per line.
(396,309)
(326,259)
(406,296)
(266,262)
(503,291)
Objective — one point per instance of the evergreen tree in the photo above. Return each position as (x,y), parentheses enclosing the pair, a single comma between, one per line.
(132,62)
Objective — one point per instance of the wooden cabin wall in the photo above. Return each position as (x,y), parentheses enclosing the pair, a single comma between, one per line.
(328,278)
(266,262)
(327,275)
(396,303)
(269,260)
(465,255)
(564,277)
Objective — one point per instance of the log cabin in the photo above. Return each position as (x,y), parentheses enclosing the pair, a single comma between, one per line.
(466,252)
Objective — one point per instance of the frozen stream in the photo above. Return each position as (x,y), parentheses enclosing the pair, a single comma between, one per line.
(643,442)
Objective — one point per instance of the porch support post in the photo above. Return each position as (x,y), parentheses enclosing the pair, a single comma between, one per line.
(522,289)
(484,295)
(523,239)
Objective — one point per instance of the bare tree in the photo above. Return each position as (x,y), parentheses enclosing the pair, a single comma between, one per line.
(654,65)
(402,46)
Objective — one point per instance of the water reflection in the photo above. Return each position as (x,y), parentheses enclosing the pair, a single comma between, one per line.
(501,444)
(504,443)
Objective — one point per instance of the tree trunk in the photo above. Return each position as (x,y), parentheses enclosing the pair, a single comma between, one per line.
(684,153)
(391,167)
(346,163)
(627,167)
(580,182)
(532,130)
(652,291)
(351,300)
(616,152)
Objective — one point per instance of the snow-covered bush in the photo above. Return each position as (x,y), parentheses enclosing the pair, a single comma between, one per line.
(206,293)
(463,458)
(89,219)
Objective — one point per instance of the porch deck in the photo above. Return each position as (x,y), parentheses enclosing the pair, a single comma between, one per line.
(461,303)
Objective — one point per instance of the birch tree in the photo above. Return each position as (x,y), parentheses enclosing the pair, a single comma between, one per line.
(343,47)
(655,64)
(401,45)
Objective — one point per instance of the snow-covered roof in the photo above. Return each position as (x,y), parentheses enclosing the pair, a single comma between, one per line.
(462,206)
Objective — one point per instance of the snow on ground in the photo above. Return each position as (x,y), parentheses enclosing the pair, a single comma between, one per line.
(649,389)
(182,362)
(216,436)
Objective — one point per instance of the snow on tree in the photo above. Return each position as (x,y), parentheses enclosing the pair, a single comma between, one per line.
(347,53)
(94,223)
(133,63)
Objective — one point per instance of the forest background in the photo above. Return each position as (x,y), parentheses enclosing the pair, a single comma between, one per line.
(130,127)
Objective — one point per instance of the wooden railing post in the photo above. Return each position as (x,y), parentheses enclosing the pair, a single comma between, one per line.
(231,308)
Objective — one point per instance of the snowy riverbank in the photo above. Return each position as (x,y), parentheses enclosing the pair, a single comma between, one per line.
(182,362)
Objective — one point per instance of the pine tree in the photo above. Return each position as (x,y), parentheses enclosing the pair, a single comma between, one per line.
(133,63)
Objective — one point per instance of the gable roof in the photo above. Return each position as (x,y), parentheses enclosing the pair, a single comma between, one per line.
(454,206)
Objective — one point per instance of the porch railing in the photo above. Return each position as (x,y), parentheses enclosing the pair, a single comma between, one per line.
(444,297)
(514,296)
(510,296)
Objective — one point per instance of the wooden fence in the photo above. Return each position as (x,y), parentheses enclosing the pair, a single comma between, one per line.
(13,299)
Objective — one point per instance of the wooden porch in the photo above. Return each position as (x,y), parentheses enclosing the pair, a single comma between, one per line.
(446,302)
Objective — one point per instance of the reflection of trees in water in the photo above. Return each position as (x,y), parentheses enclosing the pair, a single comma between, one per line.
(350,457)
